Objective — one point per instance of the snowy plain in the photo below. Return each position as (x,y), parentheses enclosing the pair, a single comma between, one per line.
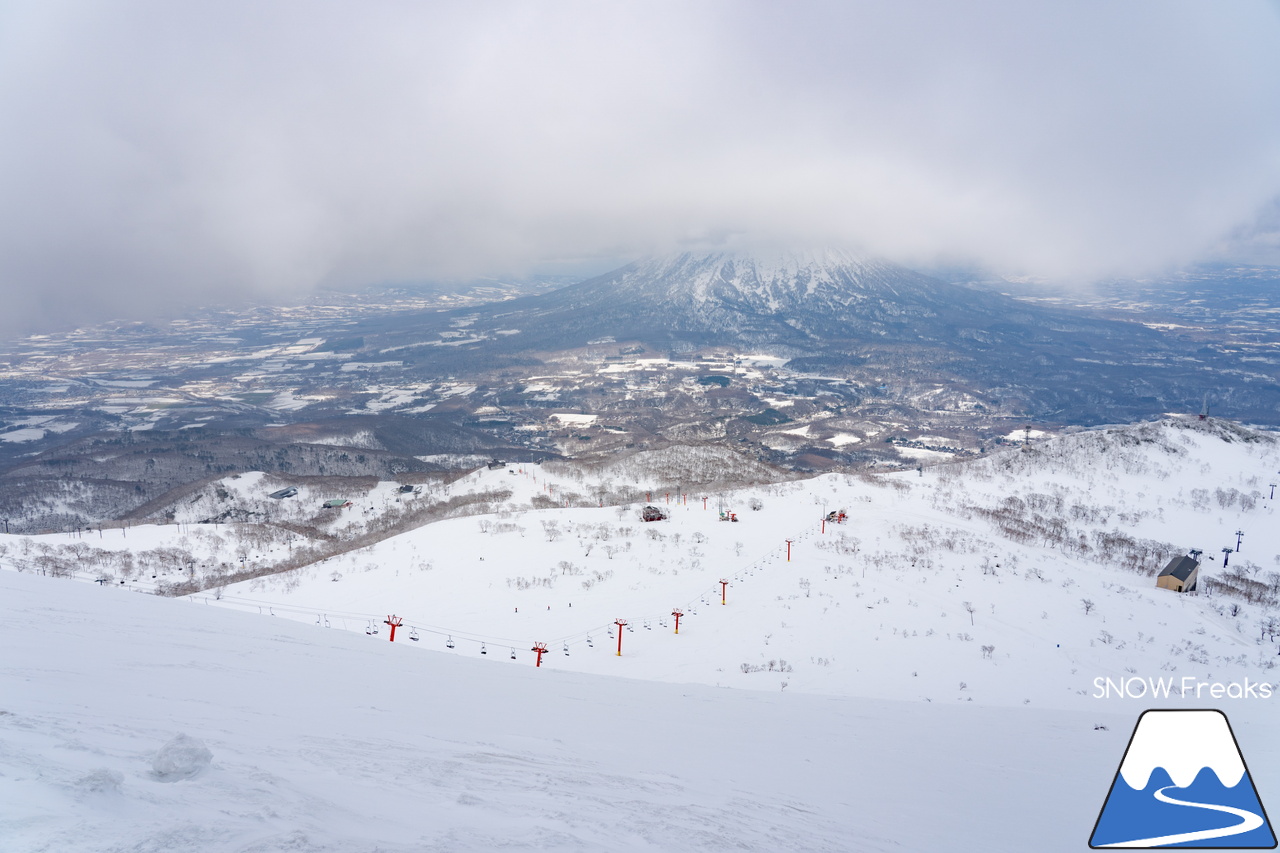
(843,700)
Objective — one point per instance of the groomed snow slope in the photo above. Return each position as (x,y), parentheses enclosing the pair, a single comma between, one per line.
(325,741)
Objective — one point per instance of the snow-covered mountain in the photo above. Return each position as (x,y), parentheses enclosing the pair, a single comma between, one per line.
(811,301)
(788,296)
(832,313)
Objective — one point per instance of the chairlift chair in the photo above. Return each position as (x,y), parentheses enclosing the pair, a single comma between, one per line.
(413,634)
(448,644)
(483,650)
(513,654)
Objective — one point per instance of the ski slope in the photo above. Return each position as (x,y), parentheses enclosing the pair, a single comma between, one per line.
(326,741)
(921,677)
(877,606)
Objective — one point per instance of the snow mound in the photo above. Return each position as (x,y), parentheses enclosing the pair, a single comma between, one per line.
(101,781)
(184,757)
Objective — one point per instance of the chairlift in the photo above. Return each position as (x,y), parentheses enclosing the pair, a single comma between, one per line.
(630,629)
(368,628)
(326,621)
(448,644)
(483,650)
(413,634)
(566,649)
(590,644)
(647,626)
(513,654)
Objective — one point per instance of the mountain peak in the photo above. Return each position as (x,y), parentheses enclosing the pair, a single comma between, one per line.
(775,258)
(766,280)
(763,267)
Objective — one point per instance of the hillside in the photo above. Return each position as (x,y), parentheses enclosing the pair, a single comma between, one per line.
(1023,575)
(307,740)
(971,610)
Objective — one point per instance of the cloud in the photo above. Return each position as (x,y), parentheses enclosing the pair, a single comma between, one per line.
(154,155)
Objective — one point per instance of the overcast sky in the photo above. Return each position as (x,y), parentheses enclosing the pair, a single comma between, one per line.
(155,155)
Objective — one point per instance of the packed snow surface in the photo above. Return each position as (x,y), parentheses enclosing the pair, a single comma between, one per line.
(330,741)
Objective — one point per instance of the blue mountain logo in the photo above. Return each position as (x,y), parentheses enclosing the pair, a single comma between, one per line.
(1183,783)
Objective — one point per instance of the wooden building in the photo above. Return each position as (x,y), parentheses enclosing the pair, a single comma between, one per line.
(1180,575)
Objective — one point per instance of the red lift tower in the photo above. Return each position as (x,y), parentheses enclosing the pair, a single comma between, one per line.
(621,623)
(395,622)
(539,649)
(789,550)
(677,613)
(724,585)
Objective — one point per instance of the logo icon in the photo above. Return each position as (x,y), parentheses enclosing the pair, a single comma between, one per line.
(1183,783)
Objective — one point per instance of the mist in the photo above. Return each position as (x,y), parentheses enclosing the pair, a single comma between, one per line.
(158,156)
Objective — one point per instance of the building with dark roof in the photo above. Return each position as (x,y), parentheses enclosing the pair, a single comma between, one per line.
(1180,575)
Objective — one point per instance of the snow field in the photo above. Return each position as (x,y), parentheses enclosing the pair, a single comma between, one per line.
(322,741)
(874,607)
(918,678)
(878,606)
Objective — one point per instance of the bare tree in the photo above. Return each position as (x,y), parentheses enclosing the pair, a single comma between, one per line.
(969,608)
(1087,604)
